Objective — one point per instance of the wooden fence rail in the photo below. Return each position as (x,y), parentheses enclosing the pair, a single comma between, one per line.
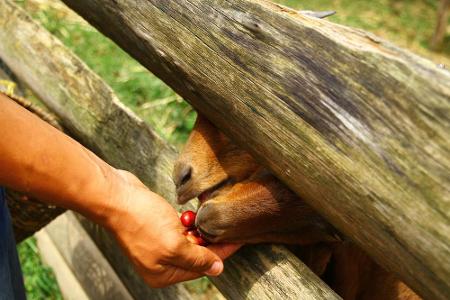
(360,128)
(92,114)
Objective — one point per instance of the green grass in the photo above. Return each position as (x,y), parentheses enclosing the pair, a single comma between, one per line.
(144,93)
(40,283)
(408,23)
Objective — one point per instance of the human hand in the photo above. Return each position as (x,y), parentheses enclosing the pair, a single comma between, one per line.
(59,171)
(149,231)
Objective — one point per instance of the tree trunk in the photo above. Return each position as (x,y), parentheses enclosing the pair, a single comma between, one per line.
(92,114)
(356,126)
(441,25)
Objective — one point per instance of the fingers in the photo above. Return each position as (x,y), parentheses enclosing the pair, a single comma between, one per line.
(174,274)
(203,260)
(198,259)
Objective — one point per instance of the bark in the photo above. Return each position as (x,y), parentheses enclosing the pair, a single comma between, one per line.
(356,126)
(93,115)
(441,24)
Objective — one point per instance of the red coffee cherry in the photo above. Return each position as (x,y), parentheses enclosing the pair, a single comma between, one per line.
(191,232)
(194,237)
(201,241)
(188,218)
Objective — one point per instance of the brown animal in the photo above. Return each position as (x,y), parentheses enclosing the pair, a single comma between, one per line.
(240,201)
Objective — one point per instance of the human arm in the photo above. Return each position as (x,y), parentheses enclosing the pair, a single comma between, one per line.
(37,159)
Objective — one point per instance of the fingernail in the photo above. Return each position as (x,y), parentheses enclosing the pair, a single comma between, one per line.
(215,269)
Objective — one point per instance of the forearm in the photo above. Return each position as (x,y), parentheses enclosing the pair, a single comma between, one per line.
(39,160)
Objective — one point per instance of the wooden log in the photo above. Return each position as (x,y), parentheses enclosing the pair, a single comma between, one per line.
(356,126)
(83,259)
(92,113)
(441,24)
(7,77)
(28,215)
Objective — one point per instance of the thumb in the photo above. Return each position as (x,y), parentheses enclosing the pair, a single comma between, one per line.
(198,259)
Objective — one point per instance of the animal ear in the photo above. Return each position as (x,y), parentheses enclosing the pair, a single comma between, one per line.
(318,14)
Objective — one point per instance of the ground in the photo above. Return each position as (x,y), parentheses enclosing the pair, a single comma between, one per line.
(408,23)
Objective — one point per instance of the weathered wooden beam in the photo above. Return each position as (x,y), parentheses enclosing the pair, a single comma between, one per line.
(92,114)
(356,126)
(73,251)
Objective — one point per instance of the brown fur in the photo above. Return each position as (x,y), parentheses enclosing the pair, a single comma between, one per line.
(245,203)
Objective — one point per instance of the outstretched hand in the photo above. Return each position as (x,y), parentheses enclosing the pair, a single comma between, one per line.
(59,171)
(149,231)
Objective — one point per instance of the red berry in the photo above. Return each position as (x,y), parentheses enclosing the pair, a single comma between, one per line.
(194,237)
(188,218)
(191,232)
(201,241)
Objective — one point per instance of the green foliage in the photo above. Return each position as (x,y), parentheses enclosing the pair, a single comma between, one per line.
(40,283)
(409,23)
(140,90)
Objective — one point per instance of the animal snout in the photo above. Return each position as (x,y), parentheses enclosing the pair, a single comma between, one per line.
(182,174)
(211,220)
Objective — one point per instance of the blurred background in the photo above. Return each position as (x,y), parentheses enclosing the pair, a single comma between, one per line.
(407,23)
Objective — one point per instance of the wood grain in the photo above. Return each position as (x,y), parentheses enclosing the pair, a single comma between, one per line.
(84,260)
(94,116)
(356,126)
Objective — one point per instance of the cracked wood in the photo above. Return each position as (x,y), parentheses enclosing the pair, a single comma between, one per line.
(356,126)
(92,114)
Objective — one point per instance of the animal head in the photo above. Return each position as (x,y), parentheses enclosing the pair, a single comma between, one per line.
(240,201)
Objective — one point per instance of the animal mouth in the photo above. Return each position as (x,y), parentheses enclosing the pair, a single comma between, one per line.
(209,237)
(212,191)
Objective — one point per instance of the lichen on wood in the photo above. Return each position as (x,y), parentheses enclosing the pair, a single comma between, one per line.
(358,127)
(92,114)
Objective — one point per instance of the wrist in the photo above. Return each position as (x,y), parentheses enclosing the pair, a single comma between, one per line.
(114,207)
(97,195)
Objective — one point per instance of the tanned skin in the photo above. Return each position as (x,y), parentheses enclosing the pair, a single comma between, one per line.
(40,161)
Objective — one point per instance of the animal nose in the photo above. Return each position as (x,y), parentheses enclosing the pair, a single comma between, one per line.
(210,220)
(182,174)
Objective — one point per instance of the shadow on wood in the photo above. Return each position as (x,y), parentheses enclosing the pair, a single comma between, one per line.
(92,114)
(354,125)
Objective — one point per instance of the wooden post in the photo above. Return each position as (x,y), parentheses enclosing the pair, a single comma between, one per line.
(93,115)
(356,126)
(441,25)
